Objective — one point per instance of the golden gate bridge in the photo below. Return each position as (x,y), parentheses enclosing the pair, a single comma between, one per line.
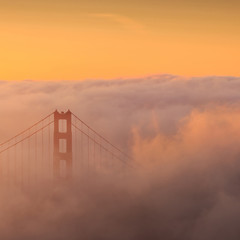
(59,146)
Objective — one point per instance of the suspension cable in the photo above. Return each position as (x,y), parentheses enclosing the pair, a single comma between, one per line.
(9,140)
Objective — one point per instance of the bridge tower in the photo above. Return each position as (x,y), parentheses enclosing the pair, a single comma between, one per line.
(62,154)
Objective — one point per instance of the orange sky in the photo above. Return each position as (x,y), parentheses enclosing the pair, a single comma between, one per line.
(75,40)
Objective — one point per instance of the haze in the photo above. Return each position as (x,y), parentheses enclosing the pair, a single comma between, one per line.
(184,133)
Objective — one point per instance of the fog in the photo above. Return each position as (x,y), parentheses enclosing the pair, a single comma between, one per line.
(184,136)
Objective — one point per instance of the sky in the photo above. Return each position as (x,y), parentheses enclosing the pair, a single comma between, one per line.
(160,80)
(77,40)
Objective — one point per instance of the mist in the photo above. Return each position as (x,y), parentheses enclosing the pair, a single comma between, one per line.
(184,136)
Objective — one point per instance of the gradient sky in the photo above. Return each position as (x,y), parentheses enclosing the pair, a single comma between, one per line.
(75,40)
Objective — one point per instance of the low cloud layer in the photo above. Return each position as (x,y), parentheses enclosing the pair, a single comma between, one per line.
(184,133)
(113,107)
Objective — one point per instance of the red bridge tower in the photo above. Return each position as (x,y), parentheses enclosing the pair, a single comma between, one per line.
(62,154)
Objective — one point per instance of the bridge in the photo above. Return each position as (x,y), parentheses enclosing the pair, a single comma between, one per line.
(59,146)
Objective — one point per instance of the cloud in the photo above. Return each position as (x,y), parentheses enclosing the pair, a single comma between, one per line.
(185,133)
(129,102)
(125,22)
